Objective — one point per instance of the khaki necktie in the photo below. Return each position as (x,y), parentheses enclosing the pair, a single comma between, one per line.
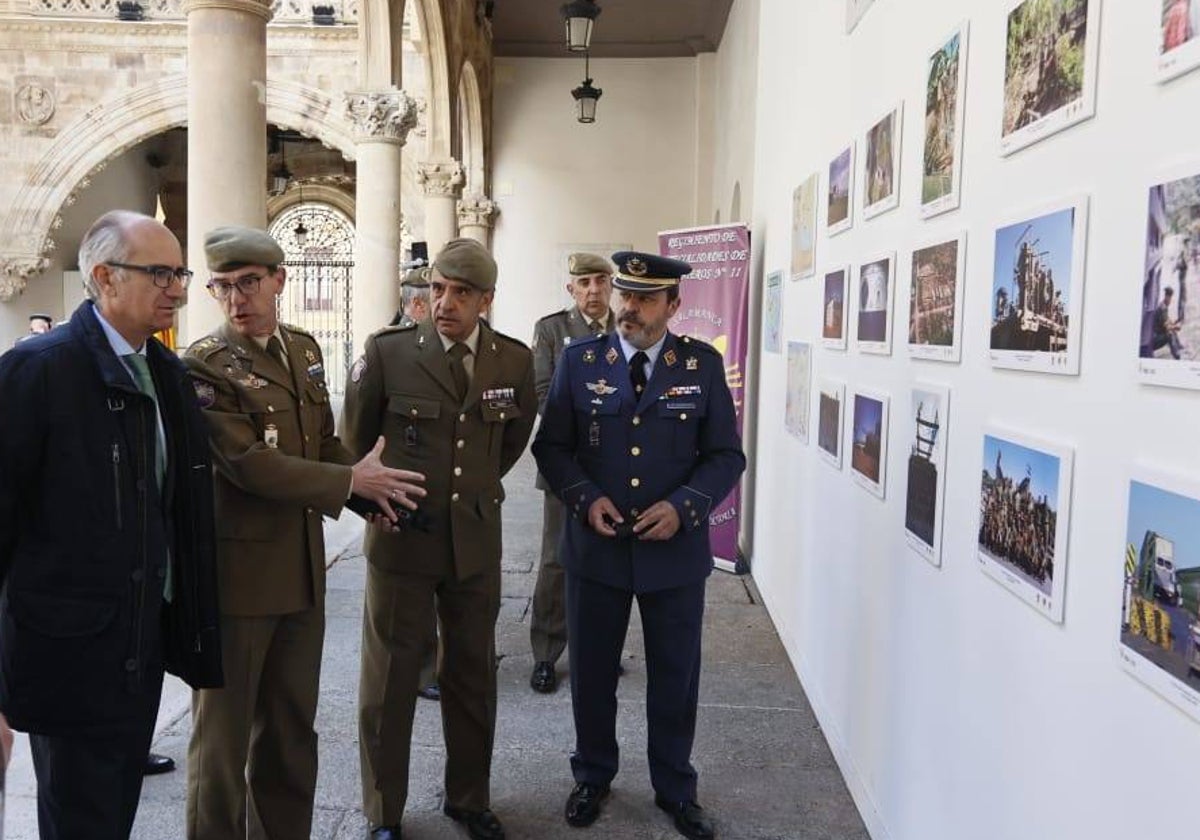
(275,351)
(458,370)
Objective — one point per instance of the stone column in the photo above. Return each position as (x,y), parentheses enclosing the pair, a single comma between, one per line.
(227,134)
(381,121)
(441,180)
(475,215)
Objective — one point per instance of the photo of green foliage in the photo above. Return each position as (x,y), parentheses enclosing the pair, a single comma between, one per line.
(1045,60)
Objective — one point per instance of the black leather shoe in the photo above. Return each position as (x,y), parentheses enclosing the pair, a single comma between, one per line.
(430,692)
(544,680)
(690,820)
(156,764)
(583,805)
(481,825)
(386,832)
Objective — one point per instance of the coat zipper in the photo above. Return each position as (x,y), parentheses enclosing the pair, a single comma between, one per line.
(116,470)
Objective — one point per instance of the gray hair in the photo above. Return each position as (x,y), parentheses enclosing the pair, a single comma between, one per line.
(410,293)
(105,241)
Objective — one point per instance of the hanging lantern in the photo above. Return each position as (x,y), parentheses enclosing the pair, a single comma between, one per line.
(579,16)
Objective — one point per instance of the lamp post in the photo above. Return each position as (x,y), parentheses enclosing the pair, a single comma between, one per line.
(586,95)
(579,16)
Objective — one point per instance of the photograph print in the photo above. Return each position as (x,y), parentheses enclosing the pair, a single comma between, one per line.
(804,228)
(799,389)
(935,301)
(1037,290)
(772,312)
(1178,46)
(868,440)
(1024,517)
(1049,69)
(924,500)
(876,288)
(1160,602)
(1169,341)
(831,397)
(839,210)
(881,164)
(833,308)
(945,92)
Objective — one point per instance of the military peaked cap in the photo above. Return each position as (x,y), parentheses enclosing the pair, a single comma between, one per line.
(640,272)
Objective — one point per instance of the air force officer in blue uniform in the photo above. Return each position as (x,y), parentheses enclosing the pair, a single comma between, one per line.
(639,440)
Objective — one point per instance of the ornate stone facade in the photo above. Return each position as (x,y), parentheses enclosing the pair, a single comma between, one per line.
(381,116)
(440,178)
(476,211)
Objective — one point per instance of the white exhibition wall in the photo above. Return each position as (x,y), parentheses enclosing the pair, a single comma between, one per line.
(955,709)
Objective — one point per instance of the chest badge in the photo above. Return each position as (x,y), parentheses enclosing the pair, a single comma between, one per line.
(670,358)
(601,388)
(611,356)
(271,436)
(692,363)
(589,356)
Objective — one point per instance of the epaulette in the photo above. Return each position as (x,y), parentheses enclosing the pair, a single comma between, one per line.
(510,340)
(292,328)
(394,328)
(206,346)
(562,313)
(698,344)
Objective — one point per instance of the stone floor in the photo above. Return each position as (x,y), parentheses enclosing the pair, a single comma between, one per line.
(766,772)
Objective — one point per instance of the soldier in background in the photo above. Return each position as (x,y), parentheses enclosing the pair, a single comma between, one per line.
(454,399)
(590,285)
(414,298)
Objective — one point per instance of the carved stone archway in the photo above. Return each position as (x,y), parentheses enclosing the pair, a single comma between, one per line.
(111,128)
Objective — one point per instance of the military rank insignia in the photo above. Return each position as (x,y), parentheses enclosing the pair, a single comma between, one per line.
(601,388)
(206,394)
(310,357)
(611,356)
(594,434)
(669,358)
(692,363)
(589,356)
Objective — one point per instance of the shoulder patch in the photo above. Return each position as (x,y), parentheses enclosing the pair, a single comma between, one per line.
(359,368)
(206,346)
(206,394)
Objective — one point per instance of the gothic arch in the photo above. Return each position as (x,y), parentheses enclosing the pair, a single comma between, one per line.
(307,193)
(471,127)
(112,127)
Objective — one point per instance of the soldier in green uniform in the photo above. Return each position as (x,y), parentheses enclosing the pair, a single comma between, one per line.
(414,298)
(590,315)
(252,762)
(455,400)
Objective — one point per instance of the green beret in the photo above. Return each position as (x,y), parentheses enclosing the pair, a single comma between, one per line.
(467,261)
(232,247)
(418,278)
(582,263)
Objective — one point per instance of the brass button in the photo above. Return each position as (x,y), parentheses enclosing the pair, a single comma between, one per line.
(637,420)
(683,416)
(501,415)
(458,470)
(271,408)
(635,482)
(461,443)
(454,497)
(462,418)
(637,450)
(413,412)
(306,438)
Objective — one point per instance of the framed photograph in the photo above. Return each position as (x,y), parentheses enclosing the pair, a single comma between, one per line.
(1049,69)
(839,209)
(868,440)
(799,389)
(873,315)
(1037,289)
(831,396)
(1178,45)
(881,164)
(1169,342)
(935,300)
(1025,516)
(772,311)
(924,499)
(1160,603)
(804,228)
(945,93)
(833,308)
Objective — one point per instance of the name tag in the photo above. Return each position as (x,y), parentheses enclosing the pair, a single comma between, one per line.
(680,406)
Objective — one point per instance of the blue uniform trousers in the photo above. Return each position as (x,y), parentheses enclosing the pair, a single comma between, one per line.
(672,621)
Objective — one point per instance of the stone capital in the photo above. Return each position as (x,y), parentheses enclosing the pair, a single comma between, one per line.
(440,178)
(251,7)
(476,211)
(15,273)
(383,116)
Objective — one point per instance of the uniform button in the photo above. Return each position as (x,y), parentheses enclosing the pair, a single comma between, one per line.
(454,497)
(683,416)
(461,443)
(637,450)
(458,470)
(637,421)
(308,510)
(413,412)
(137,575)
(130,664)
(306,438)
(301,402)
(462,418)
(501,415)
(271,408)
(635,513)
(635,482)
(687,502)
(593,412)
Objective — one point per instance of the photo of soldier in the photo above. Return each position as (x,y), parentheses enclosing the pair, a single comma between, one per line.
(1170,323)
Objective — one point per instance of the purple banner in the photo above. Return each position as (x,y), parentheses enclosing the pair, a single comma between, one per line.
(715,308)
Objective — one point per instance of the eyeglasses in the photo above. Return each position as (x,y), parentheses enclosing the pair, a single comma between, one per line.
(247,284)
(162,275)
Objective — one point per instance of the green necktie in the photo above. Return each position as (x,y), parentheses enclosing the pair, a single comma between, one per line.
(145,383)
(458,370)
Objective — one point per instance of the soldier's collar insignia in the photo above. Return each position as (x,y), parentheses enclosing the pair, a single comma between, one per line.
(636,267)
(692,363)
(611,356)
(310,356)
(589,356)
(420,341)
(669,358)
(602,388)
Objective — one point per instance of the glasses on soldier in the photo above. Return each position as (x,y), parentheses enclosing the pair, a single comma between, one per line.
(162,275)
(247,284)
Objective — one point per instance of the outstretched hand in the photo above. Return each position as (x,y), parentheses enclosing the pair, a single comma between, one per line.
(383,485)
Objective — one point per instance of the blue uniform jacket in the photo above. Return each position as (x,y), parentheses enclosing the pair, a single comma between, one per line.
(678,442)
